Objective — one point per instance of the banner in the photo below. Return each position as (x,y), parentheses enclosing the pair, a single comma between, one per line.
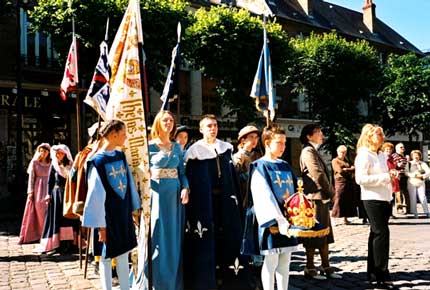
(171,87)
(99,91)
(70,78)
(125,102)
(262,88)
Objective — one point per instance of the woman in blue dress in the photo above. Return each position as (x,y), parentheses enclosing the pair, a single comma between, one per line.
(169,193)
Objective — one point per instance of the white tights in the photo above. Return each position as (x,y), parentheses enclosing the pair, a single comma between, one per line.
(276,265)
(121,270)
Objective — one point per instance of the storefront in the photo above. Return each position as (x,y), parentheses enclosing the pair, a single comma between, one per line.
(45,118)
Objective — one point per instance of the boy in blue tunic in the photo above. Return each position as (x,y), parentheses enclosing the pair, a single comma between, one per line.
(111,199)
(272,181)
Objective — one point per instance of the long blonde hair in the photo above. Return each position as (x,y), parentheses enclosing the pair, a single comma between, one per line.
(365,139)
(156,126)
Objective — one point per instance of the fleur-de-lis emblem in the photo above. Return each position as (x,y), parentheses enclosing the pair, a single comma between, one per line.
(187,227)
(200,230)
(236,267)
(235,198)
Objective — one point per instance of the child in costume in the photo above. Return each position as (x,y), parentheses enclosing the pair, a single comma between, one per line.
(272,181)
(111,199)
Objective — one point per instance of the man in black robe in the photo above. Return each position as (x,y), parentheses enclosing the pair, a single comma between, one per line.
(213,237)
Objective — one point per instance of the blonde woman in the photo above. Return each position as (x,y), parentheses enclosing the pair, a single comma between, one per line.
(374,178)
(417,171)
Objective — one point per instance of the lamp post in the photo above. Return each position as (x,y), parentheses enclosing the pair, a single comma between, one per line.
(19,158)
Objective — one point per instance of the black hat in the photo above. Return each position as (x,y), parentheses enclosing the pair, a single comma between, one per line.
(182,128)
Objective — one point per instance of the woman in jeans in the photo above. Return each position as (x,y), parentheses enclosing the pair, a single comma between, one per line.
(374,178)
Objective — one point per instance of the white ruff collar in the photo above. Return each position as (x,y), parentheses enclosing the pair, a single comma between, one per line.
(202,150)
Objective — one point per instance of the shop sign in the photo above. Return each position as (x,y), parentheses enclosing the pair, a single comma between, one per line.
(7,101)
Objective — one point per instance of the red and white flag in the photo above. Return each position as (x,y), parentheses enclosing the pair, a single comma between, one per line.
(70,77)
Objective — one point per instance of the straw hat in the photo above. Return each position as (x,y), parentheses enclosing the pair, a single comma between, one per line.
(247,130)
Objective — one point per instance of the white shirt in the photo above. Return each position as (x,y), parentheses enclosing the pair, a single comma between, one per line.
(372,174)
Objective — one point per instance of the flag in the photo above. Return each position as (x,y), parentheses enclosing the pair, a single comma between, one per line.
(125,102)
(171,87)
(70,77)
(262,88)
(99,91)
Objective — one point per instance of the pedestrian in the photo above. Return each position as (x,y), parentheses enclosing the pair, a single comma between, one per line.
(320,192)
(35,207)
(271,179)
(374,178)
(169,194)
(345,201)
(112,197)
(401,193)
(417,171)
(58,230)
(214,215)
(387,148)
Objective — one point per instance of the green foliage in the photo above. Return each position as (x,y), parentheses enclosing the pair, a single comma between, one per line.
(406,98)
(225,44)
(6,7)
(336,75)
(159,20)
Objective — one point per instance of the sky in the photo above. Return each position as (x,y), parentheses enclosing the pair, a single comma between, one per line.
(409,18)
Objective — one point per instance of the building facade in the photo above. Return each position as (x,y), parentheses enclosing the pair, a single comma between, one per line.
(31,110)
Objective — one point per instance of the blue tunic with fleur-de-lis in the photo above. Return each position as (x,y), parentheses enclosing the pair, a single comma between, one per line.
(120,201)
(271,183)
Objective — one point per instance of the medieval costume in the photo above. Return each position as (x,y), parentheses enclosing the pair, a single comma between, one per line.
(111,199)
(56,227)
(213,229)
(271,183)
(35,207)
(167,220)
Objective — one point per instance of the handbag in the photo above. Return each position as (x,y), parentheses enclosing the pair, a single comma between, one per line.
(417,182)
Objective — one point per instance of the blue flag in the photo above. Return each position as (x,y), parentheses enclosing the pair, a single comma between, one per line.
(262,88)
(171,87)
(99,91)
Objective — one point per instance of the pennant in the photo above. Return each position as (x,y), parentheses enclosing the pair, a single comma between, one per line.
(125,102)
(171,87)
(262,88)
(70,77)
(99,91)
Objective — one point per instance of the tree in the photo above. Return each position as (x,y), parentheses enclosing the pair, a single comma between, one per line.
(225,44)
(405,100)
(336,75)
(6,7)
(159,20)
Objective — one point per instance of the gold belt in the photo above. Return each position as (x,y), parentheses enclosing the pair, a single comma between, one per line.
(157,173)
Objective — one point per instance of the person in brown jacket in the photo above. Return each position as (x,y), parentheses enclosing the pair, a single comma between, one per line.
(345,200)
(320,192)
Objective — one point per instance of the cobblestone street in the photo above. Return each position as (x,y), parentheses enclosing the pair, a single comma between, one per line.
(20,268)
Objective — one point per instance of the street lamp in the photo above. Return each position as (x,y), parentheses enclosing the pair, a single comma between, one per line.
(19,154)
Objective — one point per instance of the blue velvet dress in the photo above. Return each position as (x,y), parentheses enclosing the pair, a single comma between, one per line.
(167,219)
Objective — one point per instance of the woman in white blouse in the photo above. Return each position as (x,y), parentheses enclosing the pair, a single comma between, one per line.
(374,178)
(417,171)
